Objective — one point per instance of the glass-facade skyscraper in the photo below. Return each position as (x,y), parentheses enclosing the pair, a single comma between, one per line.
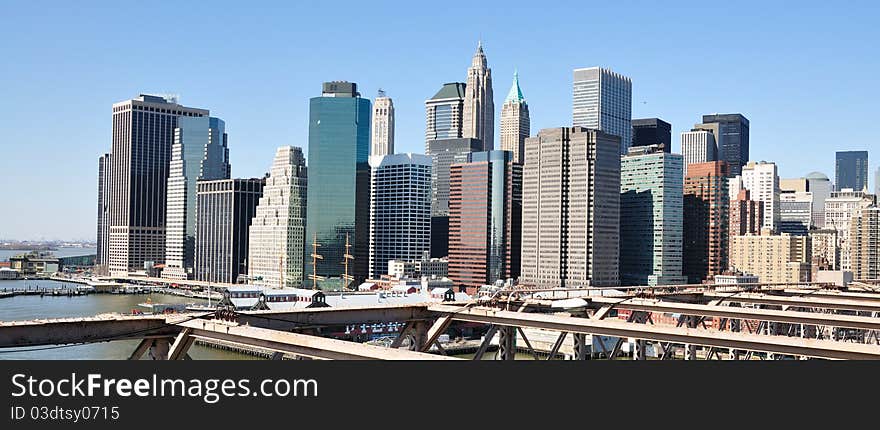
(199,153)
(851,170)
(339,183)
(651,205)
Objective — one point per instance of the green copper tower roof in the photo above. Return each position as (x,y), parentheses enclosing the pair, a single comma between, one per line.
(451,90)
(515,93)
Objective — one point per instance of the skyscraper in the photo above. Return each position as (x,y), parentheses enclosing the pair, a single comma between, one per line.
(652,131)
(199,153)
(698,146)
(103,236)
(651,203)
(706,221)
(276,240)
(479,105)
(732,135)
(485,208)
(864,249)
(515,124)
(444,153)
(382,140)
(603,101)
(851,170)
(400,209)
(339,182)
(226,208)
(571,208)
(143,134)
(443,114)
(762,180)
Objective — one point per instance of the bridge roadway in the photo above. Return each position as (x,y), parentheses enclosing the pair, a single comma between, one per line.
(170,337)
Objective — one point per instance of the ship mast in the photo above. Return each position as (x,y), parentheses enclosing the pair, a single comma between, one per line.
(315,257)
(346,278)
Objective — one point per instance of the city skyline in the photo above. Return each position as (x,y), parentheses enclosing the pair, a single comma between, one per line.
(84,104)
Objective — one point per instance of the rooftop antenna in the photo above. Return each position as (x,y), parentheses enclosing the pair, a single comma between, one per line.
(315,257)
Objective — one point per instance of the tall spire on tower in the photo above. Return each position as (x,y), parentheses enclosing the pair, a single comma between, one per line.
(479,116)
(515,93)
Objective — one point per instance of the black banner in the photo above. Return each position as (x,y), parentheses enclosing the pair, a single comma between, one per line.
(223,394)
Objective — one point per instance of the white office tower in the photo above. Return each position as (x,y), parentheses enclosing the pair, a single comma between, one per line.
(602,100)
(199,153)
(762,180)
(382,137)
(400,209)
(276,241)
(479,105)
(698,146)
(839,211)
(571,209)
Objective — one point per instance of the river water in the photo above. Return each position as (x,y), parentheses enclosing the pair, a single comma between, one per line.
(5,254)
(32,307)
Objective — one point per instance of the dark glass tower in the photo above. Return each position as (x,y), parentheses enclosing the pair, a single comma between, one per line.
(652,131)
(851,170)
(339,183)
(732,135)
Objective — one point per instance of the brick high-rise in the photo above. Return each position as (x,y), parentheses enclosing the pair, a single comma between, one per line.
(746,215)
(705,220)
(485,207)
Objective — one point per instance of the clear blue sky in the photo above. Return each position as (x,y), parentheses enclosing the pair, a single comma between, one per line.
(805,76)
